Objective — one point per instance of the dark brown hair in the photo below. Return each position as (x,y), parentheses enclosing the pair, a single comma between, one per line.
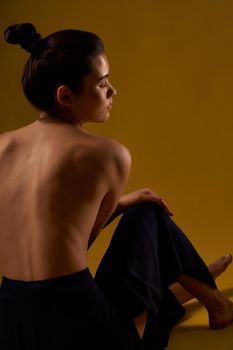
(63,57)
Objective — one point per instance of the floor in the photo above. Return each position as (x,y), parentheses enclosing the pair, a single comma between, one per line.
(193,332)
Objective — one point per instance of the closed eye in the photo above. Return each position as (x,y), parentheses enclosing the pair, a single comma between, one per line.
(104,83)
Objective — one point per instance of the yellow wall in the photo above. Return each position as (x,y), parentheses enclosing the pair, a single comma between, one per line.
(172,64)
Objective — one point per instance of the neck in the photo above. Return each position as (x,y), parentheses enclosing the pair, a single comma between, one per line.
(58,118)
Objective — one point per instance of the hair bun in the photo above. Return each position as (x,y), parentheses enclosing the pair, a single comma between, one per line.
(24,34)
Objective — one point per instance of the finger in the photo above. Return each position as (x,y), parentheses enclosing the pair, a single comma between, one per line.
(151,195)
(166,207)
(155,198)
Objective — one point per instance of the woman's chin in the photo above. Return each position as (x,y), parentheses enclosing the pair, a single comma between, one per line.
(99,119)
(103,118)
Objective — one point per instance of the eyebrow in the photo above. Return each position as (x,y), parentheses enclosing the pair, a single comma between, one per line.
(103,77)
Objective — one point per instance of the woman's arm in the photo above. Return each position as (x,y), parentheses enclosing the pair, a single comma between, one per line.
(116,161)
(129,200)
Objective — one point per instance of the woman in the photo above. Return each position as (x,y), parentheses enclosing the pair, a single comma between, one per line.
(62,185)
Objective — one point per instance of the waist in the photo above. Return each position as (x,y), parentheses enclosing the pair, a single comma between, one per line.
(43,264)
(73,279)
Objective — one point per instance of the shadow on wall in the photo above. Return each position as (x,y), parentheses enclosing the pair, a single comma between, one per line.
(193,333)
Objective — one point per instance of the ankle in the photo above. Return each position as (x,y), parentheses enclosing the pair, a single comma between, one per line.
(216,302)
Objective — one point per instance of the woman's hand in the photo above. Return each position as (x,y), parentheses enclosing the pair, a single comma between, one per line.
(145,195)
(128,200)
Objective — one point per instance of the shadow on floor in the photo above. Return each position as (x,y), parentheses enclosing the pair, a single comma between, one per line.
(193,333)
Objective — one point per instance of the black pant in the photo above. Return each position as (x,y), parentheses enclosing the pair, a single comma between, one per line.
(147,253)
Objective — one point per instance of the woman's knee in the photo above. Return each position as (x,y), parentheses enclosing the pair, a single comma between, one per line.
(142,210)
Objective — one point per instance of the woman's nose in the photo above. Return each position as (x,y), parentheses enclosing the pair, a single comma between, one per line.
(111,91)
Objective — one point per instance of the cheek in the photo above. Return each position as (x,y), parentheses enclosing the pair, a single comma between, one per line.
(98,99)
(99,108)
(94,105)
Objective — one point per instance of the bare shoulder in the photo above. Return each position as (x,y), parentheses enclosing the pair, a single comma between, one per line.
(102,164)
(6,142)
(115,150)
(109,153)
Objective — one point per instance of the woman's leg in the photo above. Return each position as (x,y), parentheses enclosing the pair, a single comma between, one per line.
(216,268)
(219,308)
(130,273)
(198,281)
(147,254)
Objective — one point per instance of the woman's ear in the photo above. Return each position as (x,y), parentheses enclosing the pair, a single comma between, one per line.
(64,96)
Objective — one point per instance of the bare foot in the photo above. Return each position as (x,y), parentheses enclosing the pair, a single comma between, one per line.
(222,312)
(219,308)
(216,268)
(220,265)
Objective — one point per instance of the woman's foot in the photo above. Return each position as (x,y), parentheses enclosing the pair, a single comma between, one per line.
(221,312)
(220,265)
(219,308)
(216,268)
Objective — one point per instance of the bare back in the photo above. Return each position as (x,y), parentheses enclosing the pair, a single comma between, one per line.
(52,189)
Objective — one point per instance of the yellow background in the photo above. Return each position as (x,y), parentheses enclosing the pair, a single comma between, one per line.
(172,65)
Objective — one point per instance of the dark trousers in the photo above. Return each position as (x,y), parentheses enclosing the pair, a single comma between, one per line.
(147,253)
